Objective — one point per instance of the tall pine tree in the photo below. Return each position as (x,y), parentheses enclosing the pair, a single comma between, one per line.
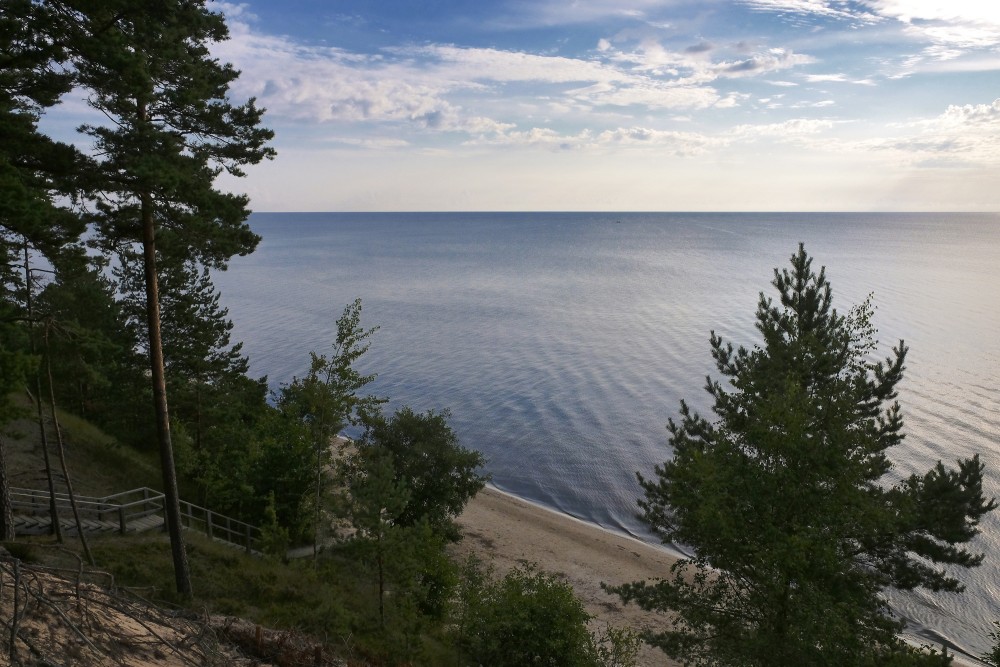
(32,169)
(784,499)
(172,131)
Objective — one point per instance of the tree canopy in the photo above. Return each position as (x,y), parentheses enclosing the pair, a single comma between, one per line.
(787,500)
(439,474)
(170,131)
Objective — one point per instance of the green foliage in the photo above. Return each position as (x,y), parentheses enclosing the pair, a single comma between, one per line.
(97,369)
(618,647)
(207,381)
(993,657)
(274,537)
(525,618)
(440,475)
(167,130)
(402,484)
(149,70)
(240,475)
(410,567)
(327,399)
(783,498)
(332,599)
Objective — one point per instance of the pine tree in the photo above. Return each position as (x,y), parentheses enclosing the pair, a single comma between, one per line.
(172,131)
(786,502)
(32,169)
(96,365)
(204,370)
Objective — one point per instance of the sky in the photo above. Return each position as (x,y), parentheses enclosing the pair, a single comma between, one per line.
(621,105)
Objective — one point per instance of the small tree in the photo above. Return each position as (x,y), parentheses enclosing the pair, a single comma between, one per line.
(783,499)
(375,499)
(525,618)
(408,555)
(440,475)
(327,399)
(993,657)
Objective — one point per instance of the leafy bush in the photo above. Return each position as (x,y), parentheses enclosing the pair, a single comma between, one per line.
(532,618)
(993,657)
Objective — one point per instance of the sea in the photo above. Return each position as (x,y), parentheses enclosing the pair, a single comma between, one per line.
(561,343)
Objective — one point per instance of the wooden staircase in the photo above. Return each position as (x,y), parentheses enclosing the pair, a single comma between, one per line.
(134,511)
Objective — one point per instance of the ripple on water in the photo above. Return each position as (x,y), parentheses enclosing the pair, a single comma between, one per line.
(563,342)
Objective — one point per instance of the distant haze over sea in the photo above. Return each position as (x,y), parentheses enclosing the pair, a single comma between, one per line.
(562,342)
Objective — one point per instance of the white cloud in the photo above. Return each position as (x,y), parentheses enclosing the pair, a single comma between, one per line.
(678,143)
(438,88)
(794,128)
(762,63)
(822,78)
(476,64)
(976,115)
(682,144)
(375,143)
(535,13)
(649,94)
(976,11)
(951,27)
(839,9)
(964,136)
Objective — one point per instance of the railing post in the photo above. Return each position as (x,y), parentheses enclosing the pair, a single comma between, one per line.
(208,523)
(246,530)
(122,526)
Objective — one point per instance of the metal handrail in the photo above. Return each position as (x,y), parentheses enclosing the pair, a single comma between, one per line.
(215,525)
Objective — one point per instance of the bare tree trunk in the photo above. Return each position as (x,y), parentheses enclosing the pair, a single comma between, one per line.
(55,528)
(182,572)
(319,485)
(61,449)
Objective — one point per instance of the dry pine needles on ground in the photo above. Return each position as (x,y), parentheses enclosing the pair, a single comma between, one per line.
(54,616)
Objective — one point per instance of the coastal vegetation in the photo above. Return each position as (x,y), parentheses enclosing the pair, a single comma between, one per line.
(107,307)
(789,500)
(108,310)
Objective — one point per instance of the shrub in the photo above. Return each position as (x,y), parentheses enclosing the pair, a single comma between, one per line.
(530,617)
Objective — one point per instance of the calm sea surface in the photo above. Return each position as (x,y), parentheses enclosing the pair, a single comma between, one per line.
(562,342)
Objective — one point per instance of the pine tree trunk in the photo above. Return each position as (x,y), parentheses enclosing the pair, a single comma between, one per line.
(61,450)
(55,528)
(182,573)
(6,511)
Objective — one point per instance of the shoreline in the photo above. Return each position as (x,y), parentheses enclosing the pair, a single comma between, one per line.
(503,529)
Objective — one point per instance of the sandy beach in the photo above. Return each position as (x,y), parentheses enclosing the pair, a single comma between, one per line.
(506,530)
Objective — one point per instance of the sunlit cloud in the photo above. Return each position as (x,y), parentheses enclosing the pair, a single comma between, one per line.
(653,82)
(794,128)
(962,24)
(837,9)
(447,88)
